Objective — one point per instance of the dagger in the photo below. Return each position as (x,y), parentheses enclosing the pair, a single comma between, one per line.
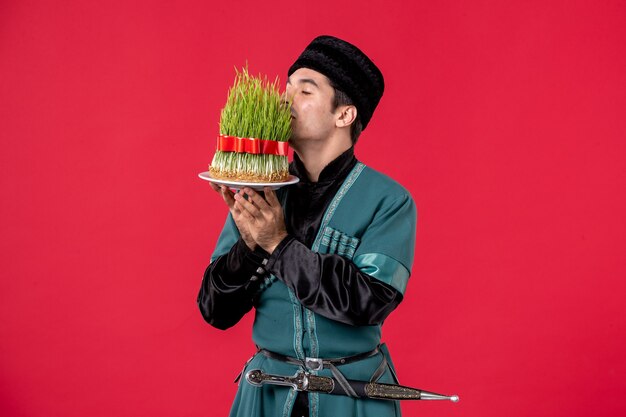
(303,381)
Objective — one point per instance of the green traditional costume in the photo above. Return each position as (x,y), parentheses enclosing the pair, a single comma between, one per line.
(370,221)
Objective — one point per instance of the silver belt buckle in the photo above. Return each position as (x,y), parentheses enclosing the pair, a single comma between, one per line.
(314,364)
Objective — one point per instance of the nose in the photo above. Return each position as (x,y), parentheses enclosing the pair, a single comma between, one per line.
(287,98)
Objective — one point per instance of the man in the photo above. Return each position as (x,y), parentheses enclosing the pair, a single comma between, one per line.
(324,261)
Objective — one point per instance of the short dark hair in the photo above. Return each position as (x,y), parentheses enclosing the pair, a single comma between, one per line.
(342,99)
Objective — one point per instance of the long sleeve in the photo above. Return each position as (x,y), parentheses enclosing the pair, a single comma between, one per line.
(229,285)
(332,285)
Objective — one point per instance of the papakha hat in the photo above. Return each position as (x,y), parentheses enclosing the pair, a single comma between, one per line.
(348,69)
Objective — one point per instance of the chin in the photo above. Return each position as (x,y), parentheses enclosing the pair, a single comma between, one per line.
(296,136)
(294,142)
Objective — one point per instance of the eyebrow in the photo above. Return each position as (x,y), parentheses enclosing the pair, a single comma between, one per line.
(305,81)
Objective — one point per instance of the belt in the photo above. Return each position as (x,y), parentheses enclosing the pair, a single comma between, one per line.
(317,364)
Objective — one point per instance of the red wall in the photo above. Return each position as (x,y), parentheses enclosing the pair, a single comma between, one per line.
(505,120)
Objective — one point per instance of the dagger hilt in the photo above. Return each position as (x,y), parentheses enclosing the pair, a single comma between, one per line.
(301,381)
(298,382)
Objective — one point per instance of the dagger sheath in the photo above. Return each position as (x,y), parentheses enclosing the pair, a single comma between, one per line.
(302,381)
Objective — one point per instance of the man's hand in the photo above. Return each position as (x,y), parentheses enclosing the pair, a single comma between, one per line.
(264,217)
(235,211)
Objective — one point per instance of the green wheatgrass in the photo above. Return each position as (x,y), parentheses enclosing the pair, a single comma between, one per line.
(255,108)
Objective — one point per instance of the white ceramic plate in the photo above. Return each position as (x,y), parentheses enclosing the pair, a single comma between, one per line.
(236,185)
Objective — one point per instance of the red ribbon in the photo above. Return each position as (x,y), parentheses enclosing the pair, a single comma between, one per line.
(251,145)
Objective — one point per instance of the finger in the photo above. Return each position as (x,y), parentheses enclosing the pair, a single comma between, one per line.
(228,196)
(270,196)
(215,186)
(247,205)
(244,213)
(256,199)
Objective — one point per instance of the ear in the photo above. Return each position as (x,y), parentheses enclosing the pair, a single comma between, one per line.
(346,116)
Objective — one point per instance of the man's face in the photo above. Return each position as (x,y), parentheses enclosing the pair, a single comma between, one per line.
(311,109)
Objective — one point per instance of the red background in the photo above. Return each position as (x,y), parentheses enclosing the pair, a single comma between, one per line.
(505,120)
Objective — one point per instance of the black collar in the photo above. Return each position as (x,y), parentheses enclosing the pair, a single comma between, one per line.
(337,168)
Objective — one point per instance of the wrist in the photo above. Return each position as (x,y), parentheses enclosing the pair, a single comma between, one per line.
(251,244)
(271,247)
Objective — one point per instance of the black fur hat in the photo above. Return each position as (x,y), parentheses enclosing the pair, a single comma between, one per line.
(348,69)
